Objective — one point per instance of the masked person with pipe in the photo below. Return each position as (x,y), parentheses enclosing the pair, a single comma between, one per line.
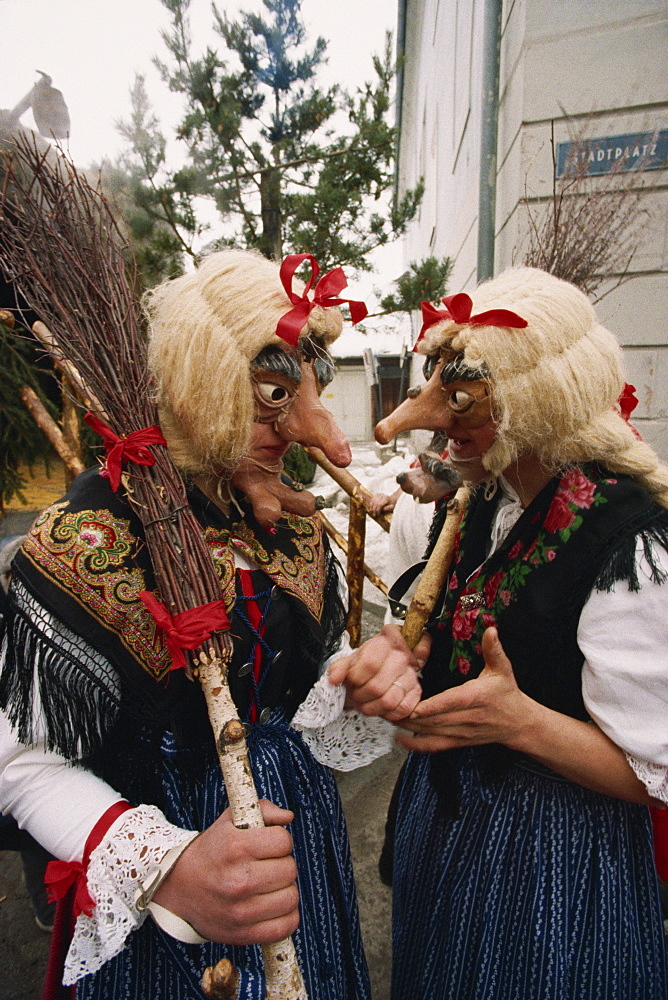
(107,753)
(523,862)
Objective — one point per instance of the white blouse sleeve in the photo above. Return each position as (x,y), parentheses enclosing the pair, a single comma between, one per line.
(59,803)
(623,637)
(338,737)
(56,802)
(341,738)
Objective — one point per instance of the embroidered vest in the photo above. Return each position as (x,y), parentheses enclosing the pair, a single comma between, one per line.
(578,534)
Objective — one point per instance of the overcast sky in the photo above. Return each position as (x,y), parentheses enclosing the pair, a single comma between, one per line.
(93,48)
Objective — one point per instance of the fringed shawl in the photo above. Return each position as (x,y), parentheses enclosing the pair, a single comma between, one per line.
(77,633)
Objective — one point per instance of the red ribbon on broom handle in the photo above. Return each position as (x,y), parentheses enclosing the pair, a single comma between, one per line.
(190,630)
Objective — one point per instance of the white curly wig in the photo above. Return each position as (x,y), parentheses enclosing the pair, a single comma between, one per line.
(205,328)
(556,382)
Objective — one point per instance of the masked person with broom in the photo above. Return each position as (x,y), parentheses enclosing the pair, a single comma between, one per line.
(523,865)
(109,758)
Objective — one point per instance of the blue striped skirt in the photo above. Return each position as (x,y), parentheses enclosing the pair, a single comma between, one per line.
(154,966)
(539,890)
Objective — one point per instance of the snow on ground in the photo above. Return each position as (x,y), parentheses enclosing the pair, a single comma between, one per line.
(376,469)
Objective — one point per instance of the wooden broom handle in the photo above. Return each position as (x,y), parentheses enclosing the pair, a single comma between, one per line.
(435,572)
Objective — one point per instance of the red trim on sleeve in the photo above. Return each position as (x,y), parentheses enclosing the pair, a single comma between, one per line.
(61,876)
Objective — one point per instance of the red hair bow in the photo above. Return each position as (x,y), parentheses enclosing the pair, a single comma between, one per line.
(189,629)
(133,448)
(325,294)
(458,308)
(627,403)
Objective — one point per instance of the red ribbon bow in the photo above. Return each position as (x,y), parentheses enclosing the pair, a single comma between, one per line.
(325,294)
(627,401)
(62,875)
(189,629)
(458,308)
(133,448)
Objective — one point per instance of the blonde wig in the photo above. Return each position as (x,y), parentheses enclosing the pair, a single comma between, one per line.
(556,383)
(205,330)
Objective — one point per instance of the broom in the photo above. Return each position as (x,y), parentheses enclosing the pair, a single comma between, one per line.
(64,251)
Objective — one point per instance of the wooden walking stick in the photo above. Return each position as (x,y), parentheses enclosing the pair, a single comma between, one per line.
(61,246)
(435,572)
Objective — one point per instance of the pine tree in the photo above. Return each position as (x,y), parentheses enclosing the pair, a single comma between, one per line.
(290,166)
(425,280)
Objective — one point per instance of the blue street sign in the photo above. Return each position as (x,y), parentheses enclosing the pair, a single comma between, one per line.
(613,154)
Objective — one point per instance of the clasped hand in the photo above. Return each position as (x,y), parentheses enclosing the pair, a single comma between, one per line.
(381,676)
(237,886)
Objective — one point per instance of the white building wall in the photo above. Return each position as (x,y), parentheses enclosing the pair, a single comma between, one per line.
(572,65)
(347,397)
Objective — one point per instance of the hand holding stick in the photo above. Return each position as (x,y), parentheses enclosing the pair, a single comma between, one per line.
(284,981)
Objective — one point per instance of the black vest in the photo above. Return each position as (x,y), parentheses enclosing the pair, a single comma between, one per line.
(85,562)
(578,534)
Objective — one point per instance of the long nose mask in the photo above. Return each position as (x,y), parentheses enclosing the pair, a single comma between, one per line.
(436,406)
(422,410)
(309,423)
(297,415)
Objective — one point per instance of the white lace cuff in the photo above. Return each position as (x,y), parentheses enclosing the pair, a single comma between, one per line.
(132,847)
(337,737)
(653,776)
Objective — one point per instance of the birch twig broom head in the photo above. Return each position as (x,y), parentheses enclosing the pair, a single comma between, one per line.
(62,248)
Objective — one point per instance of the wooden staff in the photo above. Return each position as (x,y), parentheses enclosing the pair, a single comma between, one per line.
(435,572)
(355,570)
(66,368)
(50,428)
(342,543)
(220,982)
(352,486)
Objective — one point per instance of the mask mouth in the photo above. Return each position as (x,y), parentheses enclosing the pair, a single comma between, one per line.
(437,467)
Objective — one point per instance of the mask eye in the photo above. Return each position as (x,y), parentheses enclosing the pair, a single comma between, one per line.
(461,400)
(273,394)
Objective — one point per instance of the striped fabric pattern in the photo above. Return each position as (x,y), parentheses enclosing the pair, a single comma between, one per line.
(539,890)
(154,966)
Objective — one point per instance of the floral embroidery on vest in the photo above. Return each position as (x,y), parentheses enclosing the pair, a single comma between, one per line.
(304,576)
(90,554)
(486,594)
